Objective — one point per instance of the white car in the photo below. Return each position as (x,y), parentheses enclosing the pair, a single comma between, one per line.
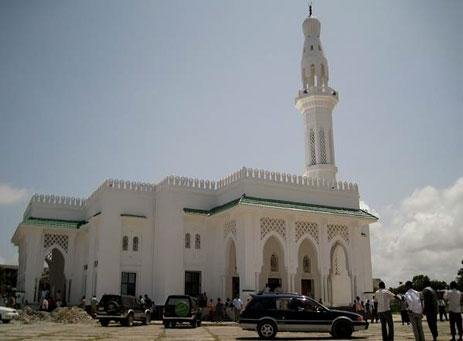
(7,314)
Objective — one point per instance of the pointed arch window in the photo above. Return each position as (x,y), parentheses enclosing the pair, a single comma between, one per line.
(274,263)
(135,241)
(125,243)
(187,241)
(306,264)
(197,241)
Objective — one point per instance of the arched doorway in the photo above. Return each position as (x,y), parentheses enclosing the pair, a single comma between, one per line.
(307,279)
(52,282)
(341,288)
(232,279)
(273,271)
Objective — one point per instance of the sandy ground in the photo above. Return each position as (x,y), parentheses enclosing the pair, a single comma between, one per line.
(209,331)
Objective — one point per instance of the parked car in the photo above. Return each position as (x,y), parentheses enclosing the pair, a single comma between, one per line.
(181,309)
(7,314)
(270,313)
(123,309)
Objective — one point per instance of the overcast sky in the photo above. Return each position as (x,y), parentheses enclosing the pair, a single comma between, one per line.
(139,90)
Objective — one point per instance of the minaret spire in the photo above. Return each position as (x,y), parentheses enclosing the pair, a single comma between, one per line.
(316,101)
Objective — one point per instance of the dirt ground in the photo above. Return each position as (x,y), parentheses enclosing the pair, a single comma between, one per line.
(209,331)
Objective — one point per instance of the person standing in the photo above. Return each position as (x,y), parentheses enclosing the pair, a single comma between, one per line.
(442,311)
(383,297)
(430,308)
(237,305)
(415,310)
(211,308)
(219,310)
(403,312)
(454,298)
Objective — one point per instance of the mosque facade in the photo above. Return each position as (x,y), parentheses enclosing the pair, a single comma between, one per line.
(300,233)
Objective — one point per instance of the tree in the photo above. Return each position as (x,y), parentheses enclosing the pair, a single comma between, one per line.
(419,282)
(459,278)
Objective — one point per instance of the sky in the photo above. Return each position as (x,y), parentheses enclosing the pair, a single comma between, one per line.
(139,90)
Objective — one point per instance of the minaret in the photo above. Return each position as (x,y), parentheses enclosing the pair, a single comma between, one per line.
(316,102)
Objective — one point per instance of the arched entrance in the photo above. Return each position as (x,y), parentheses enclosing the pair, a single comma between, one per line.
(273,271)
(52,282)
(307,279)
(341,292)
(232,279)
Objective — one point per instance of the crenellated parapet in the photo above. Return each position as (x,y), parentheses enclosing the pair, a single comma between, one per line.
(51,199)
(185,182)
(128,185)
(257,175)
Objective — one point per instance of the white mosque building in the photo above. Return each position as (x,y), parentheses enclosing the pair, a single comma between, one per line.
(304,233)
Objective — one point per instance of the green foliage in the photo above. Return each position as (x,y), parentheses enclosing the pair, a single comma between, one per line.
(459,278)
(419,282)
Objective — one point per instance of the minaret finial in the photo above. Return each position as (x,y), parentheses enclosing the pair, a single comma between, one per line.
(310,9)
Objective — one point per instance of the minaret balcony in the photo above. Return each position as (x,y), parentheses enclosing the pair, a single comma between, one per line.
(317,90)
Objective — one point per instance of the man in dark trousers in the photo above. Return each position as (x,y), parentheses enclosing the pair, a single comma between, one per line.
(430,307)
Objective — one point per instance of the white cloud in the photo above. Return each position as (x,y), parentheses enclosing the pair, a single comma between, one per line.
(423,234)
(11,195)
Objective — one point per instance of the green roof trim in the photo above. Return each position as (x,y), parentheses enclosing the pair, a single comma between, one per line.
(289,205)
(133,215)
(56,223)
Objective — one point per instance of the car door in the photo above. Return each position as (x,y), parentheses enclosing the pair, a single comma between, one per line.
(304,315)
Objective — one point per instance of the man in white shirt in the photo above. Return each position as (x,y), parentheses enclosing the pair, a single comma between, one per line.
(415,311)
(383,297)
(455,302)
(237,305)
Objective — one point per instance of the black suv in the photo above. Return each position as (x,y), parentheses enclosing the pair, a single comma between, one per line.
(270,313)
(123,309)
(179,309)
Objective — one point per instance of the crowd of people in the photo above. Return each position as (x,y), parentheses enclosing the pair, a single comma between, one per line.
(49,302)
(219,311)
(414,306)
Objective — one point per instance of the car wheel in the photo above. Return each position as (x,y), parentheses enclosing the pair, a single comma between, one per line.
(147,319)
(198,323)
(129,321)
(342,330)
(267,329)
(166,324)
(104,323)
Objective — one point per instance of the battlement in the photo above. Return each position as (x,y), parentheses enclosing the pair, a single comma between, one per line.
(259,175)
(128,185)
(185,182)
(70,202)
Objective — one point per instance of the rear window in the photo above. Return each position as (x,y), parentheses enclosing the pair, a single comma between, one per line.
(180,306)
(259,304)
(108,298)
(176,300)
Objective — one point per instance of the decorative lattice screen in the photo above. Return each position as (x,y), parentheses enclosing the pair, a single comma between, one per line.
(56,239)
(338,230)
(305,227)
(312,148)
(268,225)
(322,146)
(229,227)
